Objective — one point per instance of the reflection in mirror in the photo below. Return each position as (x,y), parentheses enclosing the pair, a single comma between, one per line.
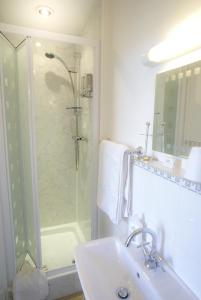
(177,114)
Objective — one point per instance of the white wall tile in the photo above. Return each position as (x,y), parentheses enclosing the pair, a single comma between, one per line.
(174,214)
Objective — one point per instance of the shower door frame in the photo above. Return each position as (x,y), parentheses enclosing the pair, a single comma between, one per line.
(70,39)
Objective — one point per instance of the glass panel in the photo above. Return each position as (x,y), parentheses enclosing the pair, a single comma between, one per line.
(13,145)
(63,135)
(3,271)
(85,169)
(16,105)
(23,95)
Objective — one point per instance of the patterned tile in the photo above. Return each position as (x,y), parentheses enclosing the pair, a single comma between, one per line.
(168,175)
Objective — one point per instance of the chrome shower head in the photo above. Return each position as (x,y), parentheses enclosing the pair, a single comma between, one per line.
(52,55)
(49,55)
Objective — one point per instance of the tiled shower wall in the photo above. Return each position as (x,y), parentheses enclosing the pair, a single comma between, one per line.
(55,127)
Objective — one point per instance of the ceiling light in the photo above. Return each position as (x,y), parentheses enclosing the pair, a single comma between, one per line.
(38,44)
(45,11)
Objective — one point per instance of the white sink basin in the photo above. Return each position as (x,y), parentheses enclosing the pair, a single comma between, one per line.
(105,265)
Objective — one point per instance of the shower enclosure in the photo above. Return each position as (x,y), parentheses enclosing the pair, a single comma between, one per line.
(50,141)
(62,123)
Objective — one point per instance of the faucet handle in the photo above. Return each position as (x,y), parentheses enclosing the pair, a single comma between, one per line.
(159,260)
(143,244)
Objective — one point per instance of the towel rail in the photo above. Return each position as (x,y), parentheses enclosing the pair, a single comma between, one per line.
(135,153)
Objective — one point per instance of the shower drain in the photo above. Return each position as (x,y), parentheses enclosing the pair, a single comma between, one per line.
(122,293)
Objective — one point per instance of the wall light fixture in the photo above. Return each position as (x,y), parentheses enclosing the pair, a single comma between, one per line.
(184,38)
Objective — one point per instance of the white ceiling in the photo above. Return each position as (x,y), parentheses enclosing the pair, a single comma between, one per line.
(69,16)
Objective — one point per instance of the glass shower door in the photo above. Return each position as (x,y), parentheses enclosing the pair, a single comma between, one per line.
(49,147)
(24,71)
(56,164)
(64,148)
(15,97)
(12,127)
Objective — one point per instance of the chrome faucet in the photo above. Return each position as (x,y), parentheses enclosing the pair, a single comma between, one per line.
(133,235)
(152,258)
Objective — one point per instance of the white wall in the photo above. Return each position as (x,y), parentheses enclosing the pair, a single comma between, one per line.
(92,28)
(130,29)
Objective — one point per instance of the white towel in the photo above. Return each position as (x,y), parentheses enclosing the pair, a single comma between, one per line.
(193,165)
(30,283)
(113,178)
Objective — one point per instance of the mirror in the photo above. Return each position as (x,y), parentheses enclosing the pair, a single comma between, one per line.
(177,113)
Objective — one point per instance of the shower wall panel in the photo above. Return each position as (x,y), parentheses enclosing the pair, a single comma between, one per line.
(85,181)
(54,130)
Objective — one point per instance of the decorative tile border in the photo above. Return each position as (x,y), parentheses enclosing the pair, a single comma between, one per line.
(168,175)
